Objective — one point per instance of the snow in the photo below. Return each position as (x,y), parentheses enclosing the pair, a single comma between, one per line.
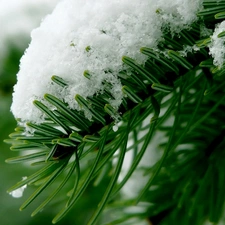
(18,193)
(17,19)
(216,47)
(92,35)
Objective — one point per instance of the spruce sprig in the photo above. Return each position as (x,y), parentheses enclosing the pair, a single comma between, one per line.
(189,178)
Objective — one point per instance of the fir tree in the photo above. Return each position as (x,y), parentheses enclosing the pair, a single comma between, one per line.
(177,92)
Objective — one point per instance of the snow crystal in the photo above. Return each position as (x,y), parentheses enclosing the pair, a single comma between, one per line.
(216,47)
(178,14)
(92,35)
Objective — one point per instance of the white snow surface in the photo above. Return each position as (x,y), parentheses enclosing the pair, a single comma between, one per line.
(18,18)
(216,47)
(18,193)
(110,29)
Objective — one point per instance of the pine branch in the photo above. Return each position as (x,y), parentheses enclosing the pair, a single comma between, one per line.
(170,86)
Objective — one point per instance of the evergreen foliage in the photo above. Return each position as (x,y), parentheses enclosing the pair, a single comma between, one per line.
(180,95)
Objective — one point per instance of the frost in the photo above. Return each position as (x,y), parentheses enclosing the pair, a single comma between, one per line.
(216,47)
(187,49)
(92,35)
(205,32)
(18,193)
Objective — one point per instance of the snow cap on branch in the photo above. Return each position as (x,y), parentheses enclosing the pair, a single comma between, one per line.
(92,35)
(216,47)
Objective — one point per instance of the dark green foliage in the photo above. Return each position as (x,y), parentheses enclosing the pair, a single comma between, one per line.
(189,178)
